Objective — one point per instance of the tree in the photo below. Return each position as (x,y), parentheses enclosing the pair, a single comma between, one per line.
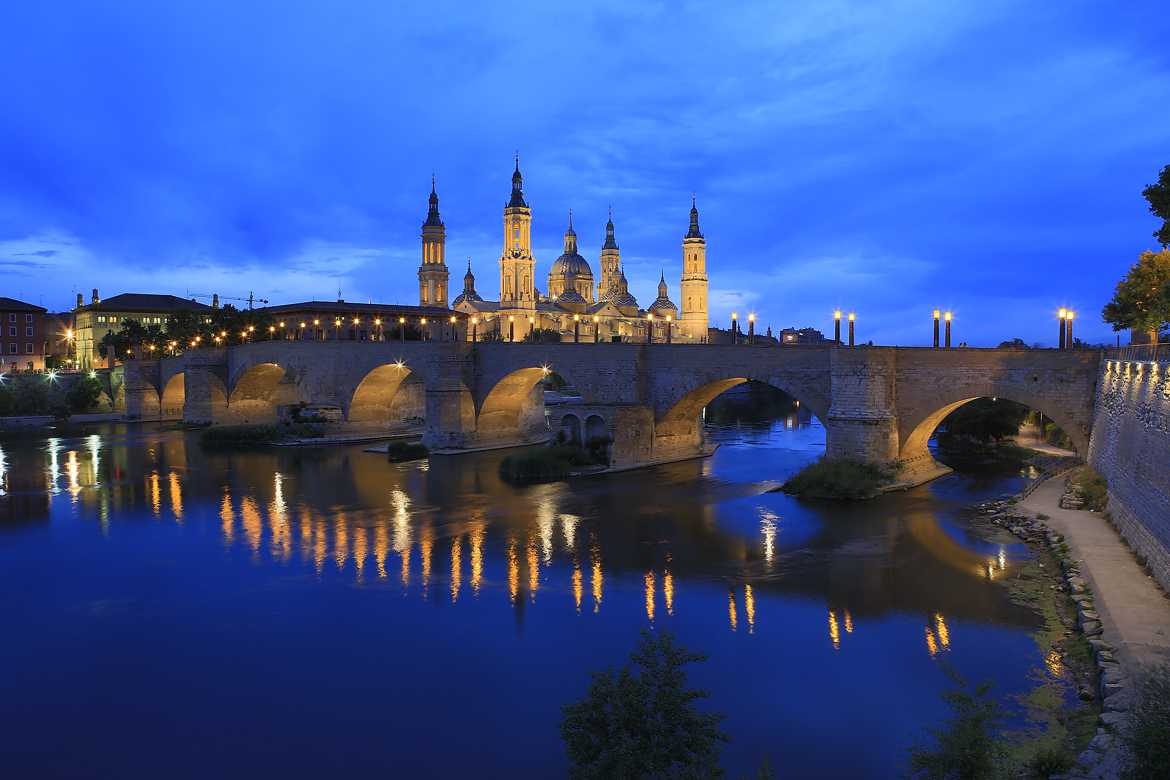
(1141,301)
(84,393)
(542,336)
(1158,195)
(985,419)
(965,748)
(1016,343)
(643,724)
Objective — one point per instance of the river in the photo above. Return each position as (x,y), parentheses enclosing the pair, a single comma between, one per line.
(288,612)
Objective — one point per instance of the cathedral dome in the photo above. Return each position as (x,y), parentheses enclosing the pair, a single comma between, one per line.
(572,265)
(570,272)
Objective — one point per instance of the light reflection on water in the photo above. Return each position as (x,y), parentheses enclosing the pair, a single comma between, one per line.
(844,596)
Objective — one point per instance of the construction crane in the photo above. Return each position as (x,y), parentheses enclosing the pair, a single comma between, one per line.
(251,299)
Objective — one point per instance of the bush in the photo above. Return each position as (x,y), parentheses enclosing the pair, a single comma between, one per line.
(32,397)
(1049,761)
(1092,488)
(1148,733)
(643,723)
(234,435)
(539,465)
(838,478)
(83,395)
(400,451)
(966,747)
(542,336)
(7,401)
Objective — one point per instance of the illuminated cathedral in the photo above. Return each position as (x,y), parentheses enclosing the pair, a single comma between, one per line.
(574,304)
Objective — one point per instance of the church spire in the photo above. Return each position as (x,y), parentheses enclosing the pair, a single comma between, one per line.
(661,284)
(694,231)
(517,200)
(433,211)
(610,241)
(570,237)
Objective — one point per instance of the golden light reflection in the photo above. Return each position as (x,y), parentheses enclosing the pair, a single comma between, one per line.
(513,570)
(596,576)
(227,519)
(577,589)
(456,567)
(848,622)
(340,541)
(944,634)
(668,591)
(73,470)
(569,525)
(1054,664)
(931,644)
(361,547)
(545,520)
(732,617)
(648,583)
(54,466)
(426,545)
(533,569)
(477,533)
(1002,560)
(320,548)
(3,473)
(155,494)
(834,630)
(281,544)
(381,549)
(176,494)
(306,533)
(749,608)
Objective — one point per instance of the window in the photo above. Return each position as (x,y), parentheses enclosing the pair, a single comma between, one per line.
(28,330)
(11,330)
(12,318)
(28,318)
(28,350)
(13,349)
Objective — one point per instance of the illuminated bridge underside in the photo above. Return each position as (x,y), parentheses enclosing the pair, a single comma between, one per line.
(880,405)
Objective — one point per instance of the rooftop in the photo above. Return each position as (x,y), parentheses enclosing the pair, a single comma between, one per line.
(133,302)
(11,304)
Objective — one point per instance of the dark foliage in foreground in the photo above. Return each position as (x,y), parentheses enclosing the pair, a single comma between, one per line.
(966,747)
(1148,734)
(400,451)
(547,464)
(641,721)
(838,478)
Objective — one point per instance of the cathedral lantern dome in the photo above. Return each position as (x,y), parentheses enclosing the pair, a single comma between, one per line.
(663,306)
(570,272)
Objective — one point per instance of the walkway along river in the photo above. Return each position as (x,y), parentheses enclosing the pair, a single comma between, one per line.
(298,611)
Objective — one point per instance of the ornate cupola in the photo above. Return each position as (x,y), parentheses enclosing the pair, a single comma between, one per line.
(571,279)
(517,265)
(663,306)
(469,295)
(432,273)
(693,289)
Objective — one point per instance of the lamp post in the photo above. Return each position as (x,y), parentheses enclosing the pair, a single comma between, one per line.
(511,328)
(337,329)
(1068,319)
(317,334)
(378,335)
(576,328)
(837,326)
(423,325)
(301,332)
(936,316)
(852,318)
(735,327)
(752,328)
(402,330)
(596,328)
(531,324)
(669,319)
(948,317)
(271,332)
(453,327)
(474,329)
(1061,315)
(649,328)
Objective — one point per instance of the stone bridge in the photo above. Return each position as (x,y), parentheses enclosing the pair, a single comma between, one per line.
(880,404)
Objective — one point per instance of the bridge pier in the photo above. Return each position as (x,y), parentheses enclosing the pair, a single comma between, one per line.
(140,381)
(450,409)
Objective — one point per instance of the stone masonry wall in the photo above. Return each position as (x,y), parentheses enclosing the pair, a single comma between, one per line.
(1130,447)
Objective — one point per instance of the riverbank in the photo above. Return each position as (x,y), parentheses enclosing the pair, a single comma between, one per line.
(1118,610)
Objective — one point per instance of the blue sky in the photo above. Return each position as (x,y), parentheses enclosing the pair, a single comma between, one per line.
(883,157)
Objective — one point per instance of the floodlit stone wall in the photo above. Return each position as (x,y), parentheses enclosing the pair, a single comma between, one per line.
(1130,447)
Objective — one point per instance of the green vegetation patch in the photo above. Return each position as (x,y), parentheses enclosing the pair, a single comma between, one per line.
(839,479)
(546,464)
(1148,733)
(1092,488)
(233,435)
(402,451)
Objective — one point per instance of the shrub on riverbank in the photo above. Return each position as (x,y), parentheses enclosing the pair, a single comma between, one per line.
(838,478)
(401,451)
(1092,489)
(967,745)
(545,464)
(1148,734)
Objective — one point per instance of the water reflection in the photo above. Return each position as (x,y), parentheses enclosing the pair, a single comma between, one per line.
(691,547)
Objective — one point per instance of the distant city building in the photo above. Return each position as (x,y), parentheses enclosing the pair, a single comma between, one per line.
(344,321)
(801,336)
(22,340)
(59,341)
(94,320)
(574,304)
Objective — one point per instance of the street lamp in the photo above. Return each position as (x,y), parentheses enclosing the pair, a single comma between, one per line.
(936,316)
(1062,315)
(669,319)
(948,317)
(474,329)
(576,328)
(1068,320)
(735,327)
(650,328)
(402,329)
(596,328)
(837,326)
(752,328)
(852,319)
(511,328)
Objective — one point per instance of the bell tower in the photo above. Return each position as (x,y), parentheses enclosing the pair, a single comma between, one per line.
(611,262)
(693,288)
(432,273)
(517,265)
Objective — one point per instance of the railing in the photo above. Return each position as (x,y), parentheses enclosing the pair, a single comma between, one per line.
(1150,353)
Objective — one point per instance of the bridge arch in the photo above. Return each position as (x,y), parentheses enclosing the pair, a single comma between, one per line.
(514,406)
(682,416)
(387,394)
(258,391)
(173,397)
